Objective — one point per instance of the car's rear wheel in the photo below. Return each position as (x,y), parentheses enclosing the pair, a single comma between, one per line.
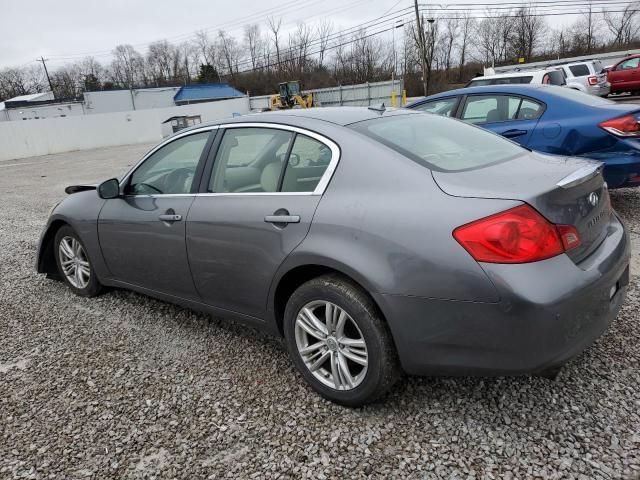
(74,264)
(339,341)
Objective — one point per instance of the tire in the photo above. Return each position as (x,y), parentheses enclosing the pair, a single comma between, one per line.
(85,285)
(361,322)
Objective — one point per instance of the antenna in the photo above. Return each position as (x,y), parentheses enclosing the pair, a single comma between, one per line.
(377,108)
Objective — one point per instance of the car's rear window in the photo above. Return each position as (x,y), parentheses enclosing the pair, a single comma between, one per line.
(440,143)
(580,97)
(597,66)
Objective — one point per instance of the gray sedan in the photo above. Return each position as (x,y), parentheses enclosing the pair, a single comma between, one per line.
(375,241)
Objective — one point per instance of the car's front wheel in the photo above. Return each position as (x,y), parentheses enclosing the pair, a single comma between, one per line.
(339,341)
(74,264)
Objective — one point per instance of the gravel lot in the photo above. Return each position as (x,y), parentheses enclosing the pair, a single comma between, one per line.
(125,386)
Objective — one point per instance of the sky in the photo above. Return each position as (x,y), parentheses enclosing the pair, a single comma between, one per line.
(67,30)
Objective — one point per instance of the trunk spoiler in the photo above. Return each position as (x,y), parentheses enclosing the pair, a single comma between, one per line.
(581,175)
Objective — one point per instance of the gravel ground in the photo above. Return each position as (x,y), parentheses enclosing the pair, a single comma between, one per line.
(124,386)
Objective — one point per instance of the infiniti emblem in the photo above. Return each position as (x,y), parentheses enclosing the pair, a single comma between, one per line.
(593,199)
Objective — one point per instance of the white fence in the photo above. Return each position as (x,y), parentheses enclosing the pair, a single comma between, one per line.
(363,94)
(23,139)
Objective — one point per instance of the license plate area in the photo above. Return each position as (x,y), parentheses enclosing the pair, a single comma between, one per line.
(623,281)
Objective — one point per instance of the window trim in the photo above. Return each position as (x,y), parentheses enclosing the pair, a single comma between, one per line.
(454,110)
(504,94)
(127,176)
(320,187)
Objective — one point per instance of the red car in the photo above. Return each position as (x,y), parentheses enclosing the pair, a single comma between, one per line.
(624,76)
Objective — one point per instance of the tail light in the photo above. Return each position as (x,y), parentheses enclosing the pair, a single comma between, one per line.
(593,80)
(626,126)
(517,235)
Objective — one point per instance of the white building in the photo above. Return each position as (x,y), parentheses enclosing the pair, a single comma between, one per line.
(37,106)
(108,101)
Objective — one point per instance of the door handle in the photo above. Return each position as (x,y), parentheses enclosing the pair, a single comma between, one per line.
(282,219)
(513,133)
(170,218)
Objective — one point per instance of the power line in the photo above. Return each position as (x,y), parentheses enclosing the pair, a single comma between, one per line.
(550,8)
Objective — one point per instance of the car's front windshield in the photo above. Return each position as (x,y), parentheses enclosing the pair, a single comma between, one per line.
(440,143)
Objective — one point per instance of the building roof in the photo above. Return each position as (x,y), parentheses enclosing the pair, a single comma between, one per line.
(34,97)
(206,91)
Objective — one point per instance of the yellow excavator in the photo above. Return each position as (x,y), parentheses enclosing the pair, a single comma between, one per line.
(291,96)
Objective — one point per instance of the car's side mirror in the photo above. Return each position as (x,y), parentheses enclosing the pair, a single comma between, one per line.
(109,189)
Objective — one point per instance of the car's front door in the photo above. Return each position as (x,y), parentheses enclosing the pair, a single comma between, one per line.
(626,75)
(511,116)
(142,233)
(254,208)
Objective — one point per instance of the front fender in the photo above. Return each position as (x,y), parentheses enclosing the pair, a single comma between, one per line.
(80,211)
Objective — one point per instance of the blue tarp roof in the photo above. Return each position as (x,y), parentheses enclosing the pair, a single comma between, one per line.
(206,91)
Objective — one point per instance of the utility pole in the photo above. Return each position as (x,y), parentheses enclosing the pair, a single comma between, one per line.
(422,46)
(43,60)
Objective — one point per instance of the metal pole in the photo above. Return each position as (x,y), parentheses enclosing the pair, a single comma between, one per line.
(43,60)
(423,53)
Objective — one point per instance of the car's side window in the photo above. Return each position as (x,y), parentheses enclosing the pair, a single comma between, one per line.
(529,110)
(579,70)
(490,108)
(307,163)
(171,169)
(249,160)
(480,109)
(629,64)
(441,106)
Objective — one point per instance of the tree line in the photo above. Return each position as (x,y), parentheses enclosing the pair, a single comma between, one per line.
(454,47)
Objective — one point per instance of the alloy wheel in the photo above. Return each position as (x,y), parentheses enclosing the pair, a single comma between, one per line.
(74,262)
(331,345)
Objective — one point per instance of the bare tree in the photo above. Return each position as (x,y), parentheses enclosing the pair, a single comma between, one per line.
(451,27)
(274,26)
(253,43)
(127,66)
(207,53)
(229,51)
(20,81)
(624,25)
(298,50)
(323,32)
(528,30)
(467,26)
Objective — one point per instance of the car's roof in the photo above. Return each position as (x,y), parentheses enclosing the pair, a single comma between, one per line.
(338,115)
(341,116)
(578,63)
(519,73)
(522,89)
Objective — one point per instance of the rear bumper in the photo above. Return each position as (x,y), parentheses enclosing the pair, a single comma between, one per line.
(622,171)
(549,312)
(602,89)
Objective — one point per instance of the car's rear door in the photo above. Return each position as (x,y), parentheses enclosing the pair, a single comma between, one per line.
(142,232)
(512,116)
(257,198)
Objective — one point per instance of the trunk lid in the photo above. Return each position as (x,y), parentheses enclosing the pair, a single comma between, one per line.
(565,190)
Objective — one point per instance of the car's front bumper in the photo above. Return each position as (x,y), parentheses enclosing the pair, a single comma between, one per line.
(549,312)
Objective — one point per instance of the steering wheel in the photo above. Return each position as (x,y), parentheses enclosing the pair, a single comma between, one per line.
(174,181)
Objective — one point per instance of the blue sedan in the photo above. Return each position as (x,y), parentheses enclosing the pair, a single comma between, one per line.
(553,120)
